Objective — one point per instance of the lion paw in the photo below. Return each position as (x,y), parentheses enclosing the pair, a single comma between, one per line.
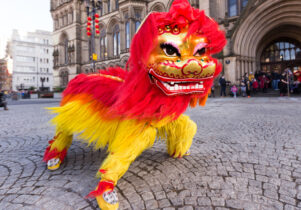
(53,164)
(177,154)
(108,200)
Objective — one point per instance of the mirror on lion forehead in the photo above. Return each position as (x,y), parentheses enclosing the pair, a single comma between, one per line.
(179,64)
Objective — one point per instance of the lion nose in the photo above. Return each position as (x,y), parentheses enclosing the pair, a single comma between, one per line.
(192,67)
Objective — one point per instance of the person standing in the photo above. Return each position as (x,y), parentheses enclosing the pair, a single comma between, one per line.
(243,89)
(223,84)
(248,88)
(255,86)
(2,100)
(283,84)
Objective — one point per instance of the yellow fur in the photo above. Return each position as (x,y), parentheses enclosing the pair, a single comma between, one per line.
(178,135)
(126,139)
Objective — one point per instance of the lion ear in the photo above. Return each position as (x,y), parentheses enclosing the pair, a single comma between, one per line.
(143,22)
(144,40)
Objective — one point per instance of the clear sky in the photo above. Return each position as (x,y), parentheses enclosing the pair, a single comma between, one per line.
(24,15)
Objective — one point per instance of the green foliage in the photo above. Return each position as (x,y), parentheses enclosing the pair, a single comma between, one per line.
(58,89)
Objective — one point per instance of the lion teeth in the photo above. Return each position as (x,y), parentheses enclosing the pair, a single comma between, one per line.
(176,86)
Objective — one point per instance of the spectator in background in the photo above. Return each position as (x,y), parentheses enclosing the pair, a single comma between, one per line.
(251,77)
(234,90)
(275,80)
(255,86)
(263,83)
(243,89)
(2,100)
(248,88)
(290,78)
(283,84)
(223,84)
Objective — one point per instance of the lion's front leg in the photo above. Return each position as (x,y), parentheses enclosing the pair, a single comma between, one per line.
(57,149)
(179,135)
(122,153)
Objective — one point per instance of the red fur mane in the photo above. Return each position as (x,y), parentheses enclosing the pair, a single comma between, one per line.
(136,97)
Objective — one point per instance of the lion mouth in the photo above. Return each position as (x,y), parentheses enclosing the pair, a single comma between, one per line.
(172,86)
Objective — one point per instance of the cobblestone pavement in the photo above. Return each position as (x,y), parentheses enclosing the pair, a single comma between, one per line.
(246,155)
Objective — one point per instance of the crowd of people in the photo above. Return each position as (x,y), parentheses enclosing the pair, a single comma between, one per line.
(287,82)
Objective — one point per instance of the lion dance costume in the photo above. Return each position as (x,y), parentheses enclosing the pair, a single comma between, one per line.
(170,68)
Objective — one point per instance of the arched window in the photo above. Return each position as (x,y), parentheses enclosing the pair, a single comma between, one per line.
(66,51)
(70,16)
(56,22)
(127,34)
(280,54)
(103,44)
(116,40)
(137,19)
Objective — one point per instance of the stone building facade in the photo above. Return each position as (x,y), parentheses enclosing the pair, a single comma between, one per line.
(262,34)
(119,21)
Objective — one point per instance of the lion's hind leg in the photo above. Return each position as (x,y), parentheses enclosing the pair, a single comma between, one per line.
(179,135)
(57,150)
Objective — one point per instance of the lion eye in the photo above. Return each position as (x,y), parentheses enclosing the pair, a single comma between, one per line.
(200,52)
(170,50)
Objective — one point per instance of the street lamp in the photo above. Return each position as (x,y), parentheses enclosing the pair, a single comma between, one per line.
(93,28)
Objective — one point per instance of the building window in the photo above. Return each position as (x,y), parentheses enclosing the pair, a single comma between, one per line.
(127,34)
(116,4)
(66,51)
(71,16)
(116,40)
(232,8)
(278,54)
(137,19)
(103,44)
(235,7)
(244,3)
(137,24)
(109,6)
(64,78)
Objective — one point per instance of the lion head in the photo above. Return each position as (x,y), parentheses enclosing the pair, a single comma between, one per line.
(171,62)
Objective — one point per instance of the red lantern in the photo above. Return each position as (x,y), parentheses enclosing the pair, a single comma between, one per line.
(97,26)
(88,28)
(89,33)
(97,32)
(89,18)
(96,15)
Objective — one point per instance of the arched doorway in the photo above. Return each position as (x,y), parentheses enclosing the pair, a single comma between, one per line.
(269,20)
(281,53)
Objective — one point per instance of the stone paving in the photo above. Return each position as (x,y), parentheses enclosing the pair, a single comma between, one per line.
(246,155)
